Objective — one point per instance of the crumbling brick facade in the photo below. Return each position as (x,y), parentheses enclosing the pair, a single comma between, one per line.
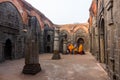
(72,33)
(14,20)
(107,21)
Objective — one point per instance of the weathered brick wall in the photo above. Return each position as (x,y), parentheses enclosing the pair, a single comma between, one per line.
(10,27)
(23,7)
(109,11)
(112,23)
(76,31)
(93,29)
(14,18)
(116,21)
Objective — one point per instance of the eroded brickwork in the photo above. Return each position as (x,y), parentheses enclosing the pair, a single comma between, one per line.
(108,21)
(71,33)
(14,22)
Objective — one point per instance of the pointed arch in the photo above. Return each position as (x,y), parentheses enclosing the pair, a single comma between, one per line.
(17,6)
(8,49)
(65,32)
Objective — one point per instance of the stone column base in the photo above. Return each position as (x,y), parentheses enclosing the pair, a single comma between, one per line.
(31,69)
(56,55)
(64,53)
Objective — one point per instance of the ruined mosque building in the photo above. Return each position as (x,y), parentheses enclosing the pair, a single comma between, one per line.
(24,30)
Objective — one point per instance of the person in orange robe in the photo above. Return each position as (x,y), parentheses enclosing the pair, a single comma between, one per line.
(75,50)
(71,47)
(80,49)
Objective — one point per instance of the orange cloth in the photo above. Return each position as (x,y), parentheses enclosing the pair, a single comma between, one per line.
(75,49)
(80,49)
(70,47)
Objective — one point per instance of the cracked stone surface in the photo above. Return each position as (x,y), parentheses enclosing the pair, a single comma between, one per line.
(70,67)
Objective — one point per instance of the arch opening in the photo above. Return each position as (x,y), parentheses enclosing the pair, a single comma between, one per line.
(80,41)
(102,41)
(48,38)
(12,28)
(48,49)
(8,49)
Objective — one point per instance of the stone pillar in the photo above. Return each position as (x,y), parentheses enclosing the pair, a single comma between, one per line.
(42,42)
(56,54)
(32,65)
(64,47)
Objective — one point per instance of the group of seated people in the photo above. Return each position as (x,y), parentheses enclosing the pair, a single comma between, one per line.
(75,49)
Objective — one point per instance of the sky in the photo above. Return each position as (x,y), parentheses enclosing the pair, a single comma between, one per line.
(63,11)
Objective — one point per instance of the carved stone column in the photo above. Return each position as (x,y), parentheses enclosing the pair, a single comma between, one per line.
(32,65)
(56,54)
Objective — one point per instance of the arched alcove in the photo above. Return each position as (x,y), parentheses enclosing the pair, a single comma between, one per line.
(11,25)
(102,41)
(8,49)
(48,38)
(48,49)
(80,41)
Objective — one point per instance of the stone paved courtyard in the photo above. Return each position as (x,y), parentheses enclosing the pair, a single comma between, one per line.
(70,67)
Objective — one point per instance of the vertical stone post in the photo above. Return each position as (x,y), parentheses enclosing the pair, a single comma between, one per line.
(32,65)
(42,42)
(56,54)
(64,47)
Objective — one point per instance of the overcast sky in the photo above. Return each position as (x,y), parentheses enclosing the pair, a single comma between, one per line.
(63,11)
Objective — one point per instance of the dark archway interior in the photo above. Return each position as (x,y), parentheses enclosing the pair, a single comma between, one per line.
(48,49)
(102,41)
(48,38)
(102,27)
(8,49)
(61,46)
(80,41)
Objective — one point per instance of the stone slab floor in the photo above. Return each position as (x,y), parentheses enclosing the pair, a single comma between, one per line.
(70,67)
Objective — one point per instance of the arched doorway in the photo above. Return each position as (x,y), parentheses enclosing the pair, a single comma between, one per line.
(8,49)
(80,41)
(48,49)
(48,38)
(10,15)
(102,41)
